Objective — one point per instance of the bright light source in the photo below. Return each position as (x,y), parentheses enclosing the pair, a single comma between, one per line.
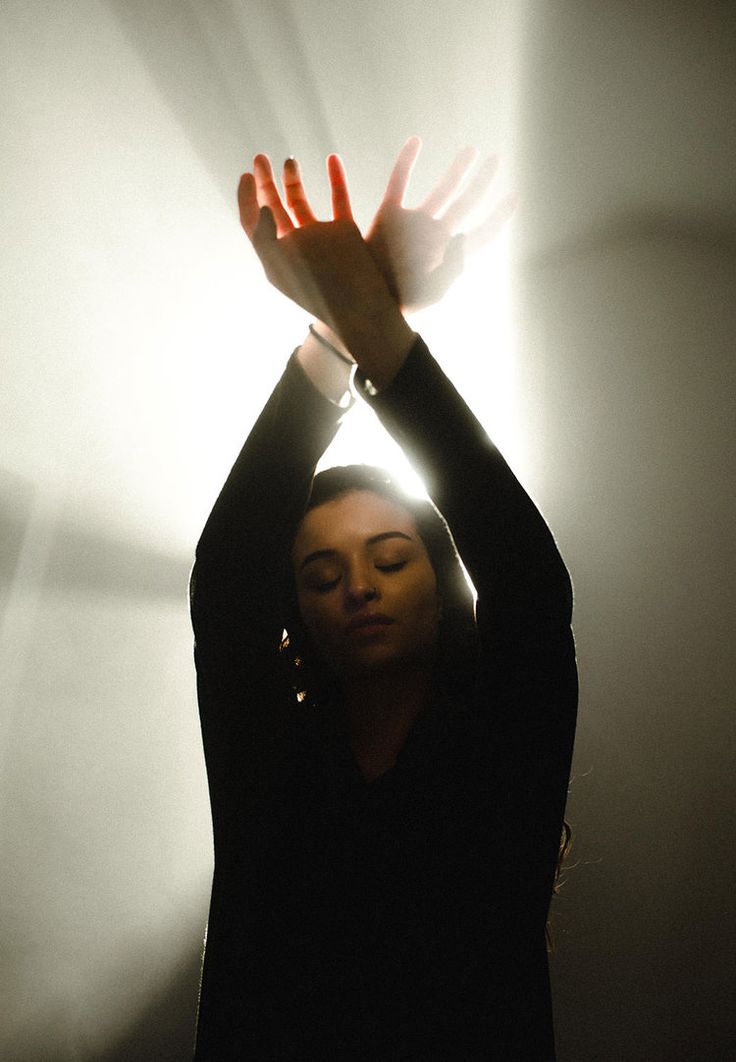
(362,439)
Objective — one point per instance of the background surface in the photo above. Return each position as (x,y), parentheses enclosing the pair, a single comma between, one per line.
(139,341)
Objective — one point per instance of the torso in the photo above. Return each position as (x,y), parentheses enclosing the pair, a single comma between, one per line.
(372,761)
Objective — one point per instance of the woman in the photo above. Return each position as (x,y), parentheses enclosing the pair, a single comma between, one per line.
(387,773)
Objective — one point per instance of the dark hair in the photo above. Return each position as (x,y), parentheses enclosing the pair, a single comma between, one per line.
(457,640)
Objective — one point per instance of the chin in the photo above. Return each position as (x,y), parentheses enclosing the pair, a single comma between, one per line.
(383,663)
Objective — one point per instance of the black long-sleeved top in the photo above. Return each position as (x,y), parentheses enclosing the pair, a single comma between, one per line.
(402,918)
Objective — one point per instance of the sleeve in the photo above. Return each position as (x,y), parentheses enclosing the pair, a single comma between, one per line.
(528,673)
(501,536)
(239,580)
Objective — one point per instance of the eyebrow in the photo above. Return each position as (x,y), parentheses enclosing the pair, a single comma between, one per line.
(318,554)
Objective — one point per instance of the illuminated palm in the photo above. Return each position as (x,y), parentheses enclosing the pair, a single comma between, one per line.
(421,251)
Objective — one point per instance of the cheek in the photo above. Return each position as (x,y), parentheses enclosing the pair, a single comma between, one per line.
(434,612)
(427,607)
(306,613)
(317,616)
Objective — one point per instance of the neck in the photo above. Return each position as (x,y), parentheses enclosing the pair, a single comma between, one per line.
(380,710)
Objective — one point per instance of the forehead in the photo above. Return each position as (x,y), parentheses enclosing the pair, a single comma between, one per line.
(349,520)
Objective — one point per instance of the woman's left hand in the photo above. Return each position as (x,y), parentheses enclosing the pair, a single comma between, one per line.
(324,266)
(421,251)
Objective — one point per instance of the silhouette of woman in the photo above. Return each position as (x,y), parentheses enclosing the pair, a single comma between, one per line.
(388,760)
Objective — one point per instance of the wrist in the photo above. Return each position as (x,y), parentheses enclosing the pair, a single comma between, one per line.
(379,341)
(321,331)
(330,373)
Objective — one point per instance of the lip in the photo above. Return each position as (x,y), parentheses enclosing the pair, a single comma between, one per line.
(368,621)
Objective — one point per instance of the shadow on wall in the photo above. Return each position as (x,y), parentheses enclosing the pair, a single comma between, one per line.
(70,555)
(165,1030)
(629,383)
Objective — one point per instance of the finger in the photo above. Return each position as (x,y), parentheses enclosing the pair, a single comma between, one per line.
(478,237)
(341,206)
(400,174)
(448,185)
(265,234)
(296,197)
(268,194)
(248,204)
(472,195)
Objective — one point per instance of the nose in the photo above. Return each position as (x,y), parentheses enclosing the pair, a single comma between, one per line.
(360,588)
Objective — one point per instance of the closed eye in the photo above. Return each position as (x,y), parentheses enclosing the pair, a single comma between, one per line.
(324,587)
(395,567)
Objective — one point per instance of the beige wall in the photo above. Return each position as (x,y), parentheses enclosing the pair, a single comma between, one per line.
(627,317)
(139,343)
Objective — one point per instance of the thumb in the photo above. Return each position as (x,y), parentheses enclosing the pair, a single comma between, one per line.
(264,238)
(265,230)
(447,272)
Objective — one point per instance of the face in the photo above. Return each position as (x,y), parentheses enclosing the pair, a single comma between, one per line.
(366,588)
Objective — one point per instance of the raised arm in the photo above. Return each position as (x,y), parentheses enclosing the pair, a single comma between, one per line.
(501,536)
(524,591)
(421,250)
(243,556)
(327,268)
